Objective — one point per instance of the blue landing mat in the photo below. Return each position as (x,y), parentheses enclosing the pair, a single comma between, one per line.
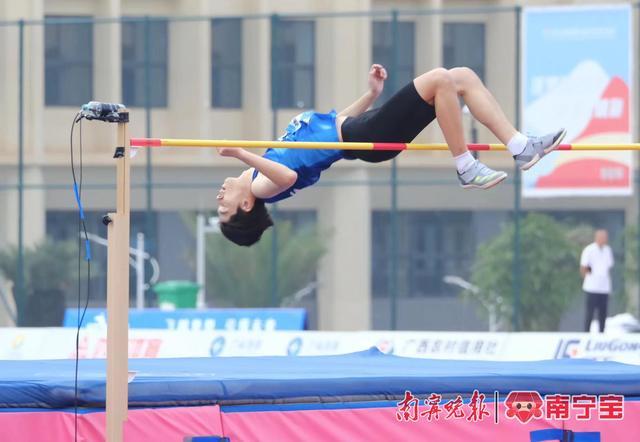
(363,376)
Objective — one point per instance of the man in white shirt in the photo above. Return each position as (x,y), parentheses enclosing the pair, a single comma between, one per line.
(595,266)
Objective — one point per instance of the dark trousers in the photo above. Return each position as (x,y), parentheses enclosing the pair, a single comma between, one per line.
(596,301)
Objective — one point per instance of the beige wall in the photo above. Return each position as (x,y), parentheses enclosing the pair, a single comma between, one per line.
(343,52)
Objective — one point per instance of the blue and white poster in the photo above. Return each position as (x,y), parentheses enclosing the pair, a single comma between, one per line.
(577,75)
(231,319)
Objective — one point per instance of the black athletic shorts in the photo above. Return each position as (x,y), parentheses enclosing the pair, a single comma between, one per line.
(399,120)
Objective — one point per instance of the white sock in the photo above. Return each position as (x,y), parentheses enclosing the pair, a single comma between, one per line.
(464,161)
(517,144)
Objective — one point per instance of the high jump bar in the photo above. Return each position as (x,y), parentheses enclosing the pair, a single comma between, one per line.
(252,144)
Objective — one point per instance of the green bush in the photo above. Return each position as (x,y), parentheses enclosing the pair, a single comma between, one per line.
(241,276)
(629,244)
(50,271)
(550,278)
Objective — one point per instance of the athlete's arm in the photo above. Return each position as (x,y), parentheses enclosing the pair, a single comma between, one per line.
(273,178)
(377,76)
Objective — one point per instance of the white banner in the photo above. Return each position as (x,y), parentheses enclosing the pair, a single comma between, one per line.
(59,343)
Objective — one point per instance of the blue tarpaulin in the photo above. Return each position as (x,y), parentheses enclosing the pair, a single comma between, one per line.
(368,375)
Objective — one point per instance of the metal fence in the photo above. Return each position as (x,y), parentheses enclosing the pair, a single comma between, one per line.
(252,80)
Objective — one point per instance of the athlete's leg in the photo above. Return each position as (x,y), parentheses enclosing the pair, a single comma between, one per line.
(438,88)
(482,104)
(527,151)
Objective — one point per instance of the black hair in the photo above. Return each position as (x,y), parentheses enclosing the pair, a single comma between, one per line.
(246,227)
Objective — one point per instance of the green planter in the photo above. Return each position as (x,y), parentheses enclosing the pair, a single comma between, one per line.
(176,294)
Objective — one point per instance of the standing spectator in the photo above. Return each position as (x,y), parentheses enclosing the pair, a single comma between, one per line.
(595,266)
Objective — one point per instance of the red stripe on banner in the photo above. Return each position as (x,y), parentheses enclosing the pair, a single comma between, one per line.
(146,142)
(476,146)
(389,146)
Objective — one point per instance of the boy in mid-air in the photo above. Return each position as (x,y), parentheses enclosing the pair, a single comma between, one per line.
(279,173)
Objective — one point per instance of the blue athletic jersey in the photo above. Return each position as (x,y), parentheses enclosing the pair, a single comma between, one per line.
(308,163)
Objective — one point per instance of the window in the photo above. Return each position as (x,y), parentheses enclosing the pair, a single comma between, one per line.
(382,53)
(136,35)
(431,245)
(293,73)
(226,63)
(464,45)
(68,62)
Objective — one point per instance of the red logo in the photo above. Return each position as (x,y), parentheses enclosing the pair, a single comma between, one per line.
(524,405)
(521,405)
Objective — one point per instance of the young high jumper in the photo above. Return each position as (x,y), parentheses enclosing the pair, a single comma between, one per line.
(279,173)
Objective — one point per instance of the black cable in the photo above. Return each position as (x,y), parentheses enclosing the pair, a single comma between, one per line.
(82,228)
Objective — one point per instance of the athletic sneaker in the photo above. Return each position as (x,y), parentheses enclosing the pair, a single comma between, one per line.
(479,176)
(537,147)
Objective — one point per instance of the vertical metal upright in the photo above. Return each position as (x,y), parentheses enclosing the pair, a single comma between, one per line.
(637,190)
(201,256)
(274,84)
(149,221)
(118,231)
(275,102)
(275,253)
(21,296)
(393,270)
(140,274)
(517,194)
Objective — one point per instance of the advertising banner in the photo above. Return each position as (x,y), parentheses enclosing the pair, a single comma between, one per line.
(242,319)
(576,74)
(59,343)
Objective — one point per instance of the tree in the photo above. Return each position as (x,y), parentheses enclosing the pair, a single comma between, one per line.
(49,271)
(631,272)
(241,276)
(550,279)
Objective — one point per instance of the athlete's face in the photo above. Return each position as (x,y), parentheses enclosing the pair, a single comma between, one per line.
(234,193)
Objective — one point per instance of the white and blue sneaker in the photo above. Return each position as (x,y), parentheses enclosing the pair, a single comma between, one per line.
(479,176)
(537,147)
